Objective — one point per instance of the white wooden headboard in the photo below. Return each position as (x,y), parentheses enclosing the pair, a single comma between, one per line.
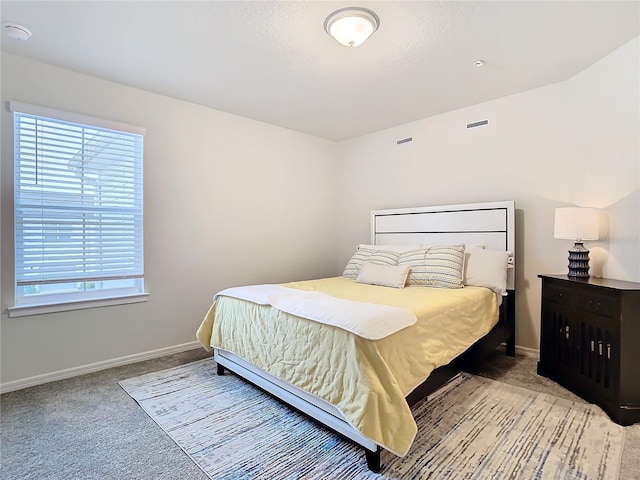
(491,225)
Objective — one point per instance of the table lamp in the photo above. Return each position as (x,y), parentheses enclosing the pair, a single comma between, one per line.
(577,223)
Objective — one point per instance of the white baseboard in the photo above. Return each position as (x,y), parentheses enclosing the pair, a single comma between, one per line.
(94,367)
(527,352)
(138,357)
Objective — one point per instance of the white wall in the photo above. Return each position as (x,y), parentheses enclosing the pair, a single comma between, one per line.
(228,201)
(575,142)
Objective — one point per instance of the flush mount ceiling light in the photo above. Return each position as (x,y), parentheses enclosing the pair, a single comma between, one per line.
(17,32)
(351,26)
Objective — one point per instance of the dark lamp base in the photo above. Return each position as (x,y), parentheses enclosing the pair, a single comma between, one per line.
(579,261)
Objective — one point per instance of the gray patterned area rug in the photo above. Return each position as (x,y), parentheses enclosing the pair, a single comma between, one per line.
(474,428)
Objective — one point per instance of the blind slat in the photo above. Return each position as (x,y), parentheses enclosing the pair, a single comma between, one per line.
(82,279)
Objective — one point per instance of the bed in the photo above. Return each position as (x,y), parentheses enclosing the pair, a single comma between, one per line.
(305,343)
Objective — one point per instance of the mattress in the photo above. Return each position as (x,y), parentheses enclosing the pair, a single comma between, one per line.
(367,380)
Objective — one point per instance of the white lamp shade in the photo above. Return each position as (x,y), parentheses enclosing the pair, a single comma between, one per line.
(576,223)
(351,26)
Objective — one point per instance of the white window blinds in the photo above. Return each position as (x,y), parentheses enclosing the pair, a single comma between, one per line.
(78,201)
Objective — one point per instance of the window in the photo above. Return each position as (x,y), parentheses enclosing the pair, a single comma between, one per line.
(78,208)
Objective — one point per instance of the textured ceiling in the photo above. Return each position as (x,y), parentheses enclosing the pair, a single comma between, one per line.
(273,62)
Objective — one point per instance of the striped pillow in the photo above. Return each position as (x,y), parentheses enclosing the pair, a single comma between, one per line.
(379,257)
(439,266)
(414,259)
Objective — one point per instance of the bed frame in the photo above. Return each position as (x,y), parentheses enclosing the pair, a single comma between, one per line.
(491,225)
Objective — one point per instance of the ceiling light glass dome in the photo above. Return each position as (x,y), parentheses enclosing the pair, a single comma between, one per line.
(351,26)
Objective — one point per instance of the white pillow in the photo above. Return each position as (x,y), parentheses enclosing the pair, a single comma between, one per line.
(486,268)
(386,275)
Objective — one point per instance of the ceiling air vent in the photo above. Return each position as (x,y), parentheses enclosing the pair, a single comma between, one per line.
(477,124)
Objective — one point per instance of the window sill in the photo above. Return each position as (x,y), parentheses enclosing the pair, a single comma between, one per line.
(28,310)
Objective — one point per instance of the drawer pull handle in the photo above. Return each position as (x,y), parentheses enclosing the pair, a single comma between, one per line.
(593,346)
(594,306)
(567,332)
(600,348)
(608,351)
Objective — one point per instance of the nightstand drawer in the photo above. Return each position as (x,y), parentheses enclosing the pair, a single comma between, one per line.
(560,295)
(597,304)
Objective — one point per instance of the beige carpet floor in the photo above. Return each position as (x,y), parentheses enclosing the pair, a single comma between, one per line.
(87,427)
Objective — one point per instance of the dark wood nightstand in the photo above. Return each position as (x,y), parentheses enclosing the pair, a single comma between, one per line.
(590,341)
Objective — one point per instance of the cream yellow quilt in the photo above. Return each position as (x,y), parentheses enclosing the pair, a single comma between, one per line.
(366,379)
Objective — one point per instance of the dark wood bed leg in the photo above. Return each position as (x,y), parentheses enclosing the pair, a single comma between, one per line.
(220,369)
(511,322)
(373,460)
(511,346)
